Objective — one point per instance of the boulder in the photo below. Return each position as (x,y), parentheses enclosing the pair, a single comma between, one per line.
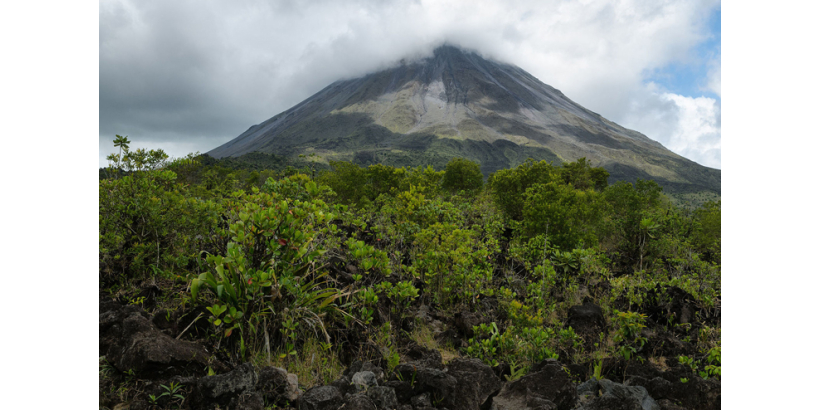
(364,366)
(278,386)
(344,385)
(252,401)
(696,393)
(321,398)
(224,389)
(588,322)
(129,341)
(404,390)
(475,383)
(422,400)
(364,380)
(383,397)
(627,395)
(358,402)
(437,383)
(421,356)
(548,381)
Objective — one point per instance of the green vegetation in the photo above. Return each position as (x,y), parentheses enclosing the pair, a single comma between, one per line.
(299,270)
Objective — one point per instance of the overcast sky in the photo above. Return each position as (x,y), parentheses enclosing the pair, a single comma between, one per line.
(187,76)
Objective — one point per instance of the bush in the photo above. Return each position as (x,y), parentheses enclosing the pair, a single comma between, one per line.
(462,175)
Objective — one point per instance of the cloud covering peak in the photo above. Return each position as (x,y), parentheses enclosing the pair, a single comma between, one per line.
(187,76)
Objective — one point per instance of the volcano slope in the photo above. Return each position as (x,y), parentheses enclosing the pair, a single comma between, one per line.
(458,104)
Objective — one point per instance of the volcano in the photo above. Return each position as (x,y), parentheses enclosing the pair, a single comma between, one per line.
(458,104)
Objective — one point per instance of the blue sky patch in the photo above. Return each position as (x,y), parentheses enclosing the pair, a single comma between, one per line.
(689,78)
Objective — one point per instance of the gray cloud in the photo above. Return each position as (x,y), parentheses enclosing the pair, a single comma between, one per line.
(190,75)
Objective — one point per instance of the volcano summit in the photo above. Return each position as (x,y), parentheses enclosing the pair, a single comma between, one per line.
(458,104)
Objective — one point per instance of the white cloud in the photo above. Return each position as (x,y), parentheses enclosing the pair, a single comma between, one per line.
(697,134)
(687,126)
(206,71)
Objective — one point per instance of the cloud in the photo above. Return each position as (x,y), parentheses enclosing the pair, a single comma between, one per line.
(697,134)
(685,125)
(203,72)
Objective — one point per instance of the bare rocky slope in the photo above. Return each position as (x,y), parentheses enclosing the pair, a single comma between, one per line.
(458,104)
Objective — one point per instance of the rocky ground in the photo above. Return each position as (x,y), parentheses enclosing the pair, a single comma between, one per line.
(158,361)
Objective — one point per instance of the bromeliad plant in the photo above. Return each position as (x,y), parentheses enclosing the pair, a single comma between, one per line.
(270,265)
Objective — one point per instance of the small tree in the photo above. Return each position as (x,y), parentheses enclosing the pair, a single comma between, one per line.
(462,174)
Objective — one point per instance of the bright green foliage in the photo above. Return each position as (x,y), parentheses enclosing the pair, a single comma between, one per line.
(707,236)
(148,224)
(361,186)
(581,175)
(367,300)
(348,181)
(453,262)
(462,175)
(509,185)
(368,258)
(401,295)
(426,181)
(629,205)
(629,325)
(269,268)
(525,346)
(267,253)
(570,217)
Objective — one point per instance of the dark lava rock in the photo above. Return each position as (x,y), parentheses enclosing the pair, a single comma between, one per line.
(223,389)
(383,397)
(358,402)
(277,386)
(344,385)
(364,366)
(617,396)
(475,383)
(450,336)
(162,320)
(547,381)
(421,356)
(404,390)
(129,341)
(465,321)
(696,393)
(437,383)
(253,401)
(422,400)
(321,398)
(364,380)
(660,343)
(588,321)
